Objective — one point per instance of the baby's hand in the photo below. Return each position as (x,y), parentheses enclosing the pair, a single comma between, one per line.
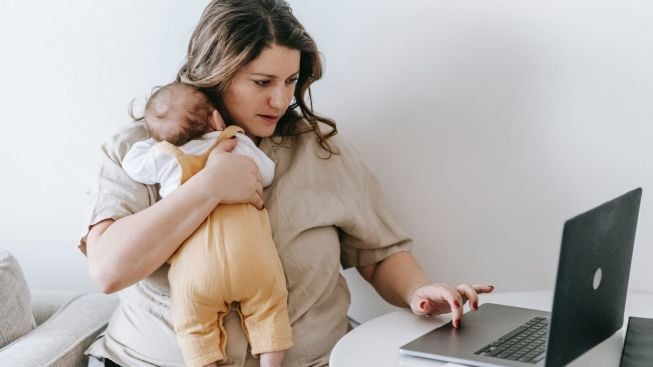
(218,122)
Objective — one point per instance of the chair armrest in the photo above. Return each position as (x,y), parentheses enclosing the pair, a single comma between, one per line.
(46,303)
(62,339)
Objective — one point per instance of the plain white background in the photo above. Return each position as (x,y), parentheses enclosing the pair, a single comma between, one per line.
(488,123)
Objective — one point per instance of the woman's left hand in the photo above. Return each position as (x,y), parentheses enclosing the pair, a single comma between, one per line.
(440,298)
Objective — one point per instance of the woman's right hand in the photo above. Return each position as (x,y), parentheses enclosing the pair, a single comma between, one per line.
(232,178)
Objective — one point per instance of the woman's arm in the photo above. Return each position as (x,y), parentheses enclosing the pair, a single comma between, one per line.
(126,250)
(394,277)
(400,280)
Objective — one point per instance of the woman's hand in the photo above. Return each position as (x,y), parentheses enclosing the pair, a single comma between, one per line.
(439,298)
(232,178)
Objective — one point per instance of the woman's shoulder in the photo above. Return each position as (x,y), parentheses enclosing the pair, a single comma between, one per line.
(129,133)
(344,158)
(337,143)
(118,144)
(305,162)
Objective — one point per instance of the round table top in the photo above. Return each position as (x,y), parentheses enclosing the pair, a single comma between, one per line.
(376,342)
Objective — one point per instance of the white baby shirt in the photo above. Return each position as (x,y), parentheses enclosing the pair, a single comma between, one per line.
(147,164)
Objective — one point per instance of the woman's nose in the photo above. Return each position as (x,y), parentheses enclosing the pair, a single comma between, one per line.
(279,98)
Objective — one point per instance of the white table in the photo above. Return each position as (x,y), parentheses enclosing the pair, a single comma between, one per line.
(376,342)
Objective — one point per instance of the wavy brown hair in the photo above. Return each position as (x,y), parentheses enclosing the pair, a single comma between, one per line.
(232,33)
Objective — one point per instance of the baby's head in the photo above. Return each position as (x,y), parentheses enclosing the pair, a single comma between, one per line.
(178,113)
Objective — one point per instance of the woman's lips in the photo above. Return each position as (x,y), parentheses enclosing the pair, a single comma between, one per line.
(270,118)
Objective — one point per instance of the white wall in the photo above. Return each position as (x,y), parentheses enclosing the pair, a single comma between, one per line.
(69,70)
(487,123)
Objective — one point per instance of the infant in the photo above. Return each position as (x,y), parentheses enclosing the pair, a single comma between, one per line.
(231,256)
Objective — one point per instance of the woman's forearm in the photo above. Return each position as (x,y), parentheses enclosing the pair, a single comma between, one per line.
(125,251)
(395,277)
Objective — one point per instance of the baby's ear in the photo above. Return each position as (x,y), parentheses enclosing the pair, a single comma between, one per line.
(218,122)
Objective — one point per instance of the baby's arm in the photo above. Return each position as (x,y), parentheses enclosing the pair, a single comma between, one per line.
(146,163)
(140,164)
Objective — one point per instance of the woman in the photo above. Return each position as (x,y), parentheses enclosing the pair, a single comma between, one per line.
(326,210)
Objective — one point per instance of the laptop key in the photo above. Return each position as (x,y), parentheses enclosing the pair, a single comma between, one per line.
(511,334)
(496,351)
(524,344)
(538,358)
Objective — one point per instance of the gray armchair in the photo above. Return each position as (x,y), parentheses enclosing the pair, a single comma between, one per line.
(66,324)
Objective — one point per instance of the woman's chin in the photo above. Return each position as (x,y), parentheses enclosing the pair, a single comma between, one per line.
(263,132)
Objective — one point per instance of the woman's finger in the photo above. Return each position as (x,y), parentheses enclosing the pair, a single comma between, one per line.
(425,299)
(440,298)
(483,288)
(456,304)
(435,294)
(257,201)
(226,145)
(259,187)
(468,292)
(259,196)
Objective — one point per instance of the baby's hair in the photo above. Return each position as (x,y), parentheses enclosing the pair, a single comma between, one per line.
(177,113)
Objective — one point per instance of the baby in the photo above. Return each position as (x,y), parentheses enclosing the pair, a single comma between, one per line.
(231,257)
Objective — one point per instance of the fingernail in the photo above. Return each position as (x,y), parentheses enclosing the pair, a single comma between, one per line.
(492,287)
(422,305)
(456,304)
(456,324)
(475,305)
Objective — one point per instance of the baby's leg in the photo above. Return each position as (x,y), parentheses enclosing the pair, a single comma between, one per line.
(197,302)
(258,282)
(199,329)
(265,318)
(272,359)
(265,312)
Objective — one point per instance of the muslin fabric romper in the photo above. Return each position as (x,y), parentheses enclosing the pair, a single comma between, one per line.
(231,257)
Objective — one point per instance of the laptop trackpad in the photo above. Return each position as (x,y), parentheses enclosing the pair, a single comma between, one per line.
(478,329)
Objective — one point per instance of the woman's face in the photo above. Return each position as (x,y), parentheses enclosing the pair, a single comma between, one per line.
(261,91)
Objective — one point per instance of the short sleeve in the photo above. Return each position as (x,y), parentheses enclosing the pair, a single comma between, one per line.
(369,232)
(115,194)
(140,163)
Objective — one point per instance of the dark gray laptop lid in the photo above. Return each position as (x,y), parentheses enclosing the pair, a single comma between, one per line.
(587,308)
(593,271)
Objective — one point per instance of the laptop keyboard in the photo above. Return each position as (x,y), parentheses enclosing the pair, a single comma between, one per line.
(526,343)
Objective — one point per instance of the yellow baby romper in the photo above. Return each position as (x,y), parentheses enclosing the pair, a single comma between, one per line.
(230,257)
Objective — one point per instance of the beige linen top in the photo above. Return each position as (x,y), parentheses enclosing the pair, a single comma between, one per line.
(324,213)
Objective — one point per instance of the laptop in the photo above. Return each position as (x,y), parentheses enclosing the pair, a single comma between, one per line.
(588,304)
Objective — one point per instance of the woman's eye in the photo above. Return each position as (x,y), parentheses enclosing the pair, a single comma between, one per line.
(292,80)
(261,83)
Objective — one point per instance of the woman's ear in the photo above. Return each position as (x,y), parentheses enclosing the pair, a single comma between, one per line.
(217,121)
